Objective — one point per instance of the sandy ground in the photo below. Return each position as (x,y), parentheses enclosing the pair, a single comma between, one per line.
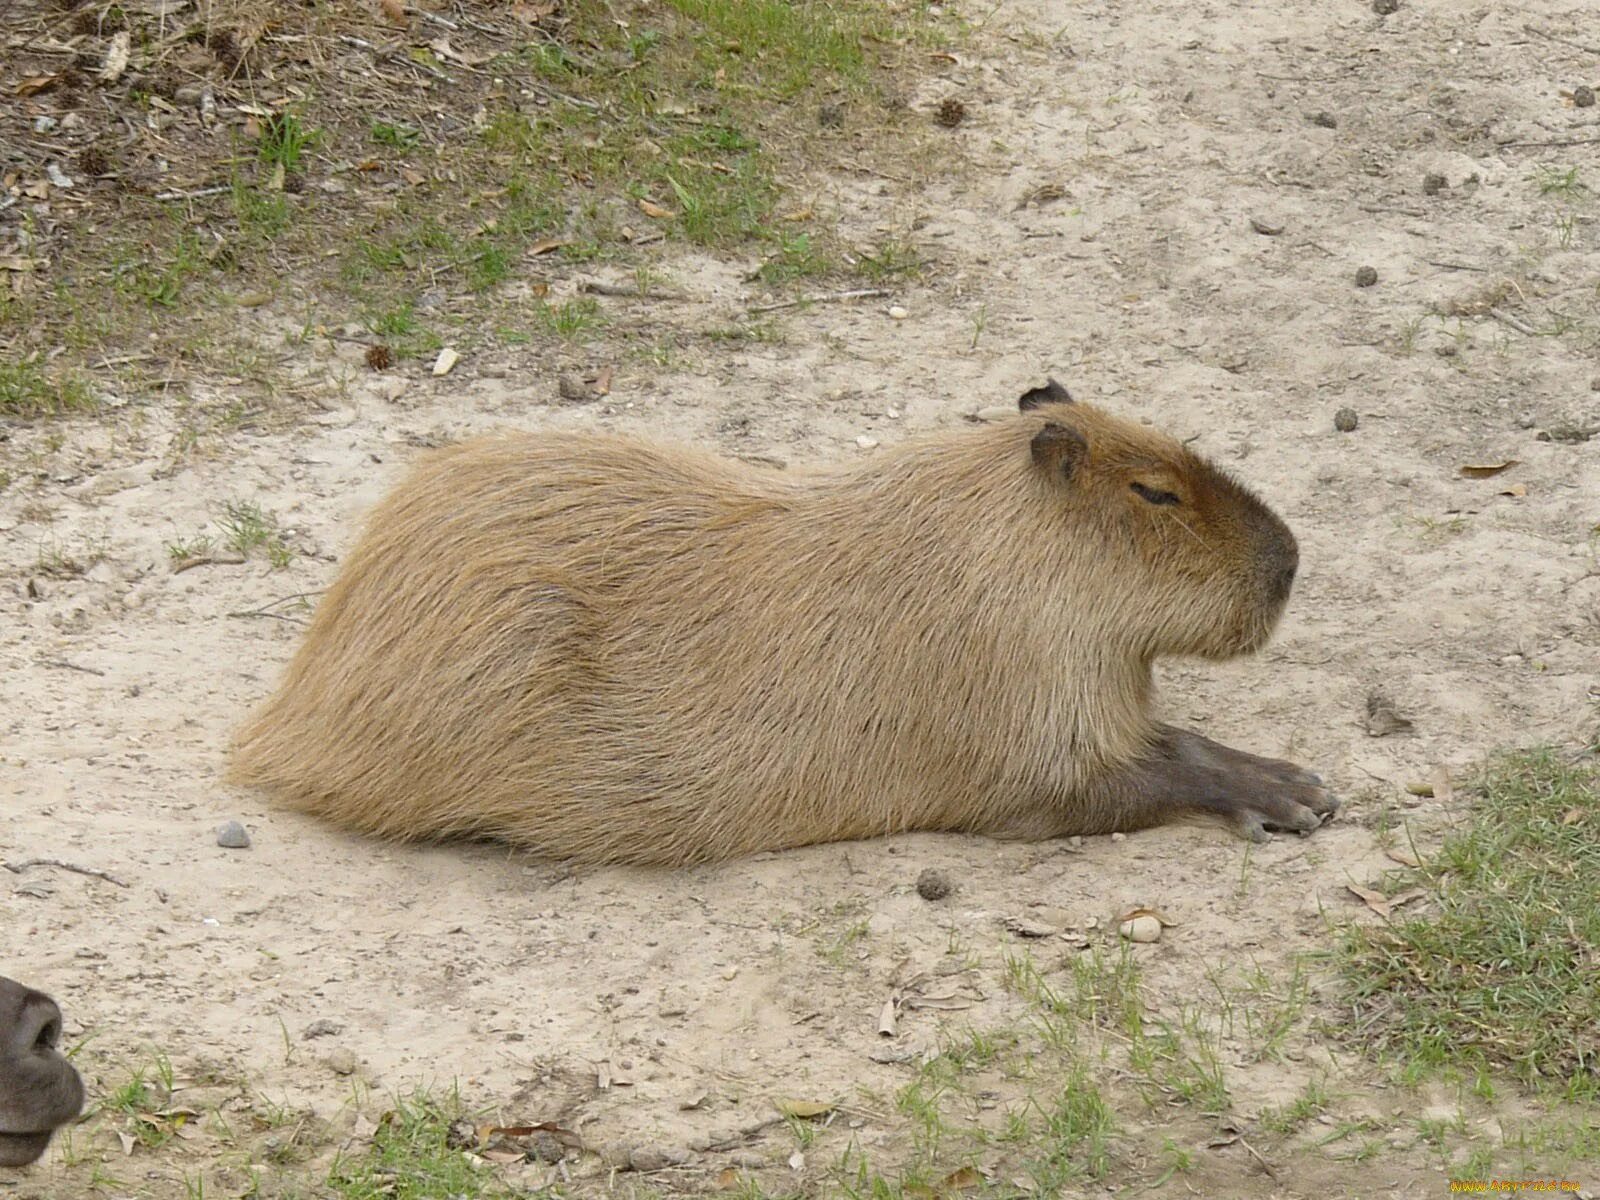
(1175,132)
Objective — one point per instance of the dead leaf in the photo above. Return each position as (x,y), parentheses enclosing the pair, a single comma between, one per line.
(396,12)
(17,262)
(34,84)
(127,1143)
(693,1102)
(116,60)
(727,1179)
(1572,816)
(650,209)
(944,56)
(886,1017)
(1404,857)
(1376,901)
(532,14)
(1442,790)
(545,245)
(1166,922)
(805,1108)
(414,178)
(1516,490)
(800,214)
(503,1154)
(1407,897)
(538,289)
(960,1181)
(443,48)
(1383,718)
(602,382)
(797,1161)
(1266,228)
(1486,470)
(1024,928)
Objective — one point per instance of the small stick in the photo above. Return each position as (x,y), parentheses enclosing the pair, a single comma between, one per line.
(17,868)
(69,666)
(823,298)
(208,560)
(195,194)
(1452,266)
(1508,319)
(266,609)
(627,291)
(1391,208)
(436,19)
(1562,142)
(1564,41)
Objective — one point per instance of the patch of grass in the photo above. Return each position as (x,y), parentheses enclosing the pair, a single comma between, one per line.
(412,1158)
(395,134)
(798,256)
(1503,972)
(27,391)
(403,332)
(1309,1104)
(247,527)
(572,319)
(1563,184)
(285,141)
(892,259)
(144,1100)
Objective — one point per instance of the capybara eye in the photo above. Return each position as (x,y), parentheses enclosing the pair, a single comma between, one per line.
(1155,495)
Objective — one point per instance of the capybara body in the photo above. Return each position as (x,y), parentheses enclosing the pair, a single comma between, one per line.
(609,650)
(39,1089)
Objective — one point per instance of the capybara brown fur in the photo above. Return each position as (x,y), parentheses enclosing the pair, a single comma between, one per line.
(39,1089)
(609,650)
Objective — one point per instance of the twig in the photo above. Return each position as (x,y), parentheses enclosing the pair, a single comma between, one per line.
(17,868)
(69,666)
(1393,208)
(436,19)
(1508,319)
(551,92)
(208,560)
(1265,1165)
(627,291)
(266,609)
(822,298)
(384,52)
(120,360)
(195,194)
(1564,41)
(1453,266)
(1559,142)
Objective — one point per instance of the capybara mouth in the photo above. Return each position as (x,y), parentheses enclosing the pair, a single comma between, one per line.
(20,1149)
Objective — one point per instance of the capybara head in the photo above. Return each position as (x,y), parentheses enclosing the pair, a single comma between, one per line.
(39,1089)
(1206,566)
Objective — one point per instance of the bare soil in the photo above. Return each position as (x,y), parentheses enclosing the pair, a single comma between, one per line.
(1141,201)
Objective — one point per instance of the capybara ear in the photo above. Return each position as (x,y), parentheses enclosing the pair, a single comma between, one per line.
(1057,448)
(1051,393)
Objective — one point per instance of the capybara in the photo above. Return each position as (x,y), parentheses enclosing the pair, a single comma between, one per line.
(609,650)
(39,1089)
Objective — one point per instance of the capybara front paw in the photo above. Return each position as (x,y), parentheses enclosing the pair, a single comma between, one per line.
(1284,799)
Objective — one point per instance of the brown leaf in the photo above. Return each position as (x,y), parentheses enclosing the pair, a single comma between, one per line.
(1404,857)
(503,1154)
(1376,901)
(545,245)
(1383,718)
(602,382)
(1516,490)
(1442,790)
(35,83)
(1407,897)
(17,262)
(532,14)
(650,209)
(727,1179)
(1166,922)
(886,1017)
(960,1181)
(1572,816)
(396,12)
(1486,470)
(116,60)
(805,1108)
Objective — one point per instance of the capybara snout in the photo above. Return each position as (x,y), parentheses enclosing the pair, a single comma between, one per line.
(610,650)
(39,1088)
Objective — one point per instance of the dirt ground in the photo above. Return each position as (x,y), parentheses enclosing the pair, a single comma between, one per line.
(1163,205)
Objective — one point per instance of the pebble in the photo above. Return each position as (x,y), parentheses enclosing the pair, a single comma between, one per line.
(1384,7)
(867,443)
(1433,184)
(996,412)
(1346,420)
(934,884)
(45,124)
(1325,119)
(570,387)
(1583,96)
(231,835)
(1366,276)
(898,313)
(1119,837)
(341,1061)
(1141,929)
(321,1027)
